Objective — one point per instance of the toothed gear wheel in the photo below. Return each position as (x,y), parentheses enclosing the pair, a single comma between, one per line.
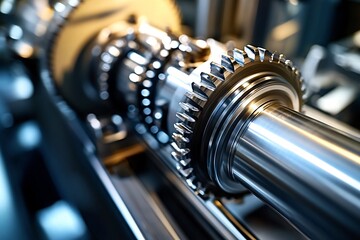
(75,22)
(195,129)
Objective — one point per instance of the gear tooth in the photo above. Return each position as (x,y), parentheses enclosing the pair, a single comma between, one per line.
(198,92)
(183,129)
(208,85)
(251,52)
(185,117)
(184,106)
(179,129)
(303,87)
(195,98)
(289,63)
(193,104)
(175,147)
(188,107)
(181,151)
(217,70)
(207,81)
(301,79)
(209,77)
(202,192)
(205,76)
(185,162)
(227,63)
(180,138)
(239,56)
(176,137)
(180,144)
(304,97)
(187,127)
(252,48)
(180,117)
(274,57)
(230,53)
(267,55)
(262,53)
(190,182)
(282,58)
(189,95)
(185,172)
(176,156)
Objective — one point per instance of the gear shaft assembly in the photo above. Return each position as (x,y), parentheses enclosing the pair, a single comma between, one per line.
(233,119)
(251,132)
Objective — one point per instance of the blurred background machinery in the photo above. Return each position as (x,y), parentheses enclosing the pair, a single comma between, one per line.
(72,168)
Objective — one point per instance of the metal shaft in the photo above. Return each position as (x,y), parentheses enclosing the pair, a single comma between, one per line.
(306,170)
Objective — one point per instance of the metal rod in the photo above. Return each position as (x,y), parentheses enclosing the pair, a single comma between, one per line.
(306,170)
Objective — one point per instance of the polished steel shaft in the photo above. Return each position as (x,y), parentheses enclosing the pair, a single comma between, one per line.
(306,170)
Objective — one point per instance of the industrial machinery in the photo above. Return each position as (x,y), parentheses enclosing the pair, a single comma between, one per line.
(151,133)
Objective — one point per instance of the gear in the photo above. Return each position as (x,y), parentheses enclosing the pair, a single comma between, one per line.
(89,17)
(75,23)
(108,56)
(202,101)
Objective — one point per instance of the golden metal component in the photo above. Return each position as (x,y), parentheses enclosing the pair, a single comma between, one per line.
(93,15)
(123,154)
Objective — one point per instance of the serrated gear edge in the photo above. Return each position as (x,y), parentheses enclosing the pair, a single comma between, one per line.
(195,101)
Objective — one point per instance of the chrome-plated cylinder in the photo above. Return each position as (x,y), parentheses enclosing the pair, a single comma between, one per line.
(306,170)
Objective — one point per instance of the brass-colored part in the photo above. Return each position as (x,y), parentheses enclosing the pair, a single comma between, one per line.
(115,137)
(123,154)
(93,15)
